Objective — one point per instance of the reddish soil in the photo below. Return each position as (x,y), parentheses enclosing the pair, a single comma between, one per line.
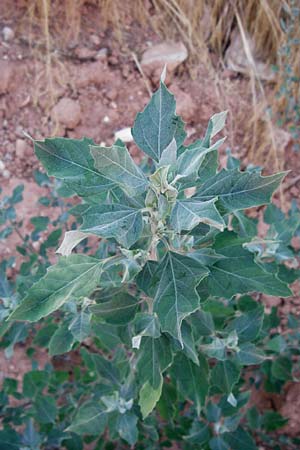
(99,74)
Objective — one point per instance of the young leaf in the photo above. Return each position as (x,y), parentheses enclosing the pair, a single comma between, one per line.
(215,125)
(121,222)
(45,409)
(116,164)
(238,273)
(239,190)
(157,125)
(248,325)
(186,214)
(73,277)
(71,239)
(127,427)
(70,160)
(175,297)
(249,354)
(91,418)
(80,326)
(148,397)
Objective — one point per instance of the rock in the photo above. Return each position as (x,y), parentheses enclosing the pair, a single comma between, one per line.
(7,73)
(237,61)
(84,53)
(67,112)
(185,105)
(124,134)
(21,148)
(155,58)
(2,166)
(8,34)
(112,94)
(93,73)
(102,54)
(95,40)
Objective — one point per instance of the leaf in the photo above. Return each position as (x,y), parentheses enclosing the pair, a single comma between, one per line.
(9,439)
(282,368)
(72,277)
(120,310)
(240,439)
(153,359)
(34,382)
(249,354)
(248,325)
(174,284)
(157,125)
(80,326)
(225,375)
(199,433)
(202,323)
(61,341)
(186,214)
(103,367)
(217,443)
(148,397)
(238,273)
(169,155)
(71,239)
(239,190)
(116,164)
(191,379)
(70,160)
(215,125)
(190,161)
(121,222)
(146,324)
(45,409)
(91,418)
(189,343)
(127,427)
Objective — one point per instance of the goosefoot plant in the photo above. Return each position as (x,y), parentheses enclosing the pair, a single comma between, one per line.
(161,301)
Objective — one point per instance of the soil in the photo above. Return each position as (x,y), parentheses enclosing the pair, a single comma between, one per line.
(99,77)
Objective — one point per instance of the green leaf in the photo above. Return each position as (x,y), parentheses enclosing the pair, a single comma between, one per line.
(206,256)
(273,420)
(248,325)
(191,379)
(121,222)
(215,125)
(146,324)
(277,344)
(217,443)
(186,214)
(238,273)
(157,125)
(148,397)
(34,382)
(190,161)
(240,439)
(225,375)
(202,323)
(153,359)
(239,190)
(70,160)
(127,427)
(45,409)
(175,297)
(120,310)
(71,239)
(249,354)
(282,368)
(116,164)
(199,433)
(80,326)
(103,367)
(169,155)
(9,439)
(91,418)
(61,341)
(72,277)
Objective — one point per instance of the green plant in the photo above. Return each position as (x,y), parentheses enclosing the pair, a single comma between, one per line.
(159,307)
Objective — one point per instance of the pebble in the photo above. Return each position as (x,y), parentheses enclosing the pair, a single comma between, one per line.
(67,112)
(124,134)
(8,34)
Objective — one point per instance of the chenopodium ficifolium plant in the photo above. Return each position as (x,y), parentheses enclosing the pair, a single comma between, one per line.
(163,294)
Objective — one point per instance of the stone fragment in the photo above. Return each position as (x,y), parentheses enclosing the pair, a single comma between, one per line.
(124,134)
(67,112)
(8,34)
(21,148)
(7,73)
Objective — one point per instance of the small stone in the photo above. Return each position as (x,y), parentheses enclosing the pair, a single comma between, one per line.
(95,40)
(106,119)
(6,76)
(8,34)
(21,148)
(6,173)
(102,54)
(84,53)
(112,94)
(2,166)
(91,74)
(168,52)
(113,60)
(67,112)
(124,134)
